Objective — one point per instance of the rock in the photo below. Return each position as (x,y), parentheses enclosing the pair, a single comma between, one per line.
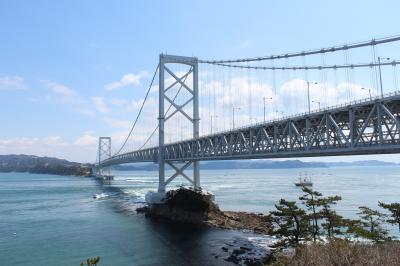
(238,252)
(245,248)
(143,209)
(247,253)
(224,249)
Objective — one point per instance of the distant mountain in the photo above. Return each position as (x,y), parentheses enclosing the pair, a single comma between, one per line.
(362,163)
(42,165)
(50,165)
(258,164)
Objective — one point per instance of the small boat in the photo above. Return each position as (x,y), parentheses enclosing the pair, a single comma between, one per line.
(304,182)
(105,177)
(100,196)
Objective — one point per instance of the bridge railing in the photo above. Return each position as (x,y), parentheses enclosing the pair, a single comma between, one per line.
(315,111)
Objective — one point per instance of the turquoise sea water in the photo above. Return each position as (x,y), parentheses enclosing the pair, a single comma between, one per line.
(54,220)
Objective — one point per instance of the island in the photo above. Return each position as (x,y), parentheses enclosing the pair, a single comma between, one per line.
(42,165)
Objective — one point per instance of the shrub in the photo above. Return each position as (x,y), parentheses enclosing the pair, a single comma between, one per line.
(342,252)
(188,200)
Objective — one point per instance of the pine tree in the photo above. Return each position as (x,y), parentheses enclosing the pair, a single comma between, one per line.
(333,222)
(291,221)
(394,209)
(312,199)
(369,226)
(92,261)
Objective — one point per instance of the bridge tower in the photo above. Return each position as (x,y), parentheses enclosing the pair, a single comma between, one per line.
(193,117)
(104,152)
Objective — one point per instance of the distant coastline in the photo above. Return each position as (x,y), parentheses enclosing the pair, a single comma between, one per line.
(50,165)
(42,165)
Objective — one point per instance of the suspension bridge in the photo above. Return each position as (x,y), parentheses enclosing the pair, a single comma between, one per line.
(340,100)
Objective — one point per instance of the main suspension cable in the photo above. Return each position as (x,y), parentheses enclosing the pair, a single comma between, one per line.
(310,52)
(140,110)
(351,66)
(169,107)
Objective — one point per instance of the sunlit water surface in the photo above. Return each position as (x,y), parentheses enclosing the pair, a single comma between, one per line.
(54,220)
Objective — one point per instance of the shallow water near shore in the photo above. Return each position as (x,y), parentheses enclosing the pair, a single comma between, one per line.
(54,220)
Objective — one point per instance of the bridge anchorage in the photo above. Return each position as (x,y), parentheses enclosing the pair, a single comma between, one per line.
(351,126)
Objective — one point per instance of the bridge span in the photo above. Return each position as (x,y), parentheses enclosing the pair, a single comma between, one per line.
(358,127)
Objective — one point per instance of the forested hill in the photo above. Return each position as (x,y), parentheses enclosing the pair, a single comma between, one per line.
(42,165)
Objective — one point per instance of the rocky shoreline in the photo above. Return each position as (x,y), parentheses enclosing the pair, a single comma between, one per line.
(176,209)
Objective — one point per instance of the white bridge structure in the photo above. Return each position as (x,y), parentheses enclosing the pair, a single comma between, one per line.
(365,125)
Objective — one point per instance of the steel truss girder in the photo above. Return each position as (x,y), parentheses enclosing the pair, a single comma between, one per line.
(371,127)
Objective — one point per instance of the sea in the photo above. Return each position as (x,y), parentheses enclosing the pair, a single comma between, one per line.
(54,220)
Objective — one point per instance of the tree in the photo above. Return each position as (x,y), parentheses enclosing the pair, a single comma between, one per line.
(333,222)
(91,261)
(394,209)
(370,225)
(312,199)
(292,222)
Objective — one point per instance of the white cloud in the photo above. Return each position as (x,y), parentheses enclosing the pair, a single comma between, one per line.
(100,105)
(69,97)
(130,79)
(82,149)
(118,102)
(87,139)
(117,123)
(60,89)
(11,83)
(243,45)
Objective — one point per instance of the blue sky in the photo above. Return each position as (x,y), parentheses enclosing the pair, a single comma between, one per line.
(73,70)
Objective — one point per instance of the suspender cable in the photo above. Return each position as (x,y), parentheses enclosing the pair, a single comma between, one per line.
(169,107)
(140,110)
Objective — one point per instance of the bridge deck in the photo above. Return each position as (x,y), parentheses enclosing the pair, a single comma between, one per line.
(362,127)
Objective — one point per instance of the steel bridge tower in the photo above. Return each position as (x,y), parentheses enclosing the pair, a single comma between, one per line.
(104,152)
(193,89)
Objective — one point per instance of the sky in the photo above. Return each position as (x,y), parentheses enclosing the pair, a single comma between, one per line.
(71,71)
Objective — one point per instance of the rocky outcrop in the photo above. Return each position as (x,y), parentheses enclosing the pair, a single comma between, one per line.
(254,222)
(192,207)
(242,252)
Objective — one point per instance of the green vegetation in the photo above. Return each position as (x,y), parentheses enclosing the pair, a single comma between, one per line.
(42,165)
(292,222)
(295,225)
(91,261)
(188,200)
(370,225)
(394,209)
